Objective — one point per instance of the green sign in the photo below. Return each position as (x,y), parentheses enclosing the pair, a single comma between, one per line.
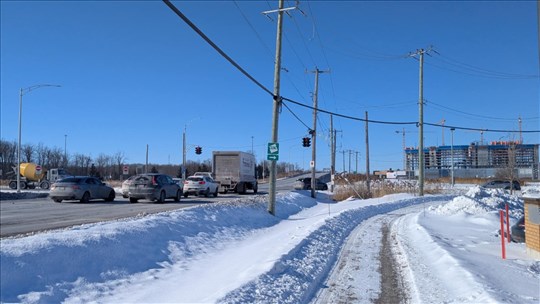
(273,151)
(272,157)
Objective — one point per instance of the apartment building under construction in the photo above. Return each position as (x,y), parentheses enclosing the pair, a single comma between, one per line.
(482,161)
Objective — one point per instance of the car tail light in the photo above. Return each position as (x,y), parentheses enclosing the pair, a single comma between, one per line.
(75,187)
(202,182)
(154,182)
(186,182)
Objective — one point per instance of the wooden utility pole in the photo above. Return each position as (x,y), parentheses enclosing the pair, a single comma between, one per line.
(332,153)
(314,132)
(367,157)
(275,112)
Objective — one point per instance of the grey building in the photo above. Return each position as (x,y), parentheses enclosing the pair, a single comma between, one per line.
(482,161)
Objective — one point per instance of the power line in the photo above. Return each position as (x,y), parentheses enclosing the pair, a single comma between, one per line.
(429,102)
(222,53)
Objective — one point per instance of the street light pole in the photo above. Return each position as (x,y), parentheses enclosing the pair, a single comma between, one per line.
(21,93)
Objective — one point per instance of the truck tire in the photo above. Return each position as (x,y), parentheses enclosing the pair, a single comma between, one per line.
(23,185)
(255,188)
(13,185)
(241,188)
(45,185)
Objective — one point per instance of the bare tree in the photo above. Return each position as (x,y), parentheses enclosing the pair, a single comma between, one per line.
(7,156)
(119,159)
(27,153)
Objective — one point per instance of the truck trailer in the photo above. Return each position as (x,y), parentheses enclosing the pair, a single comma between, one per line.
(234,171)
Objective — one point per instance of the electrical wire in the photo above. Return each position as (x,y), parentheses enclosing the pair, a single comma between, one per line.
(429,102)
(222,53)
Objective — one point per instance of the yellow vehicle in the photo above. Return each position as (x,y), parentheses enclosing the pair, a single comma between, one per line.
(33,175)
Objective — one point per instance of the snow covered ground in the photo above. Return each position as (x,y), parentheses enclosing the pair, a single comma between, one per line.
(447,249)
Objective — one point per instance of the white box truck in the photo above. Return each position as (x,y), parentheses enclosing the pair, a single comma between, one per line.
(234,171)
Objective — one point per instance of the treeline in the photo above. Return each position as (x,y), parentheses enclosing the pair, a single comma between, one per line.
(105,166)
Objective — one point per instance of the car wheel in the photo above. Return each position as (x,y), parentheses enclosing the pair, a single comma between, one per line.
(111,196)
(207,192)
(178,196)
(216,192)
(186,194)
(161,199)
(57,200)
(256,188)
(85,198)
(133,200)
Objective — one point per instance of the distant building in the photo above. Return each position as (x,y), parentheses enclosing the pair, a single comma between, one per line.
(475,160)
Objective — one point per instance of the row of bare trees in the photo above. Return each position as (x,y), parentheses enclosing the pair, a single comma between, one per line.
(105,166)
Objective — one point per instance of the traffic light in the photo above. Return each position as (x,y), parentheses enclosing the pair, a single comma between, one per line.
(198,150)
(306,141)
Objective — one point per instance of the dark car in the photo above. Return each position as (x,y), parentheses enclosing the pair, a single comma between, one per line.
(518,231)
(81,188)
(155,187)
(305,184)
(503,184)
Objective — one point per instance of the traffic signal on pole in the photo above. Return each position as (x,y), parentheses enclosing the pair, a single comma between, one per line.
(306,141)
(198,150)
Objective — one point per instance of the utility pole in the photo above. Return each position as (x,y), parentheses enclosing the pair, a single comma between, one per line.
(368,184)
(146,167)
(356,170)
(314,131)
(184,154)
(421,164)
(350,151)
(275,110)
(332,153)
(343,160)
(520,131)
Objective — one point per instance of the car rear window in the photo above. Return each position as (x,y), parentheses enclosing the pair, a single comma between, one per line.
(195,179)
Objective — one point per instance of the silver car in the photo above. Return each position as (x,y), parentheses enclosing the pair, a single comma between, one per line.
(200,185)
(155,187)
(81,188)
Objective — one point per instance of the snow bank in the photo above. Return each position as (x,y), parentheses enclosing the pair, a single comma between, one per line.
(480,200)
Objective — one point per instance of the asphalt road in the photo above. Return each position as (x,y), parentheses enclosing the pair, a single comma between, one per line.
(26,216)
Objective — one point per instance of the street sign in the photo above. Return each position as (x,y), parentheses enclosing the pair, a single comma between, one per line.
(272,157)
(125,170)
(273,151)
(38,169)
(312,164)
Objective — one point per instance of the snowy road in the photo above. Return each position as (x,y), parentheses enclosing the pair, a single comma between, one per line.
(236,252)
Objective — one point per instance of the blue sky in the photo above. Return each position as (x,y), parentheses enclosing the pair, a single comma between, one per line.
(132,74)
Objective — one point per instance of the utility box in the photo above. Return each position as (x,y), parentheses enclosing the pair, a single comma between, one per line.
(532,226)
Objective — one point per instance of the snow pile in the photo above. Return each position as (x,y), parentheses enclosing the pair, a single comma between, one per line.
(479,201)
(24,194)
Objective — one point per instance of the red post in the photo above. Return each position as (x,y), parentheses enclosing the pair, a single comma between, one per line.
(501,213)
(507,224)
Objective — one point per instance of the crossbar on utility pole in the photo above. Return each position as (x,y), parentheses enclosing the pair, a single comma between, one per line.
(314,131)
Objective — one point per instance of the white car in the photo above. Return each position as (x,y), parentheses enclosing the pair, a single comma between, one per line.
(200,185)
(125,186)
